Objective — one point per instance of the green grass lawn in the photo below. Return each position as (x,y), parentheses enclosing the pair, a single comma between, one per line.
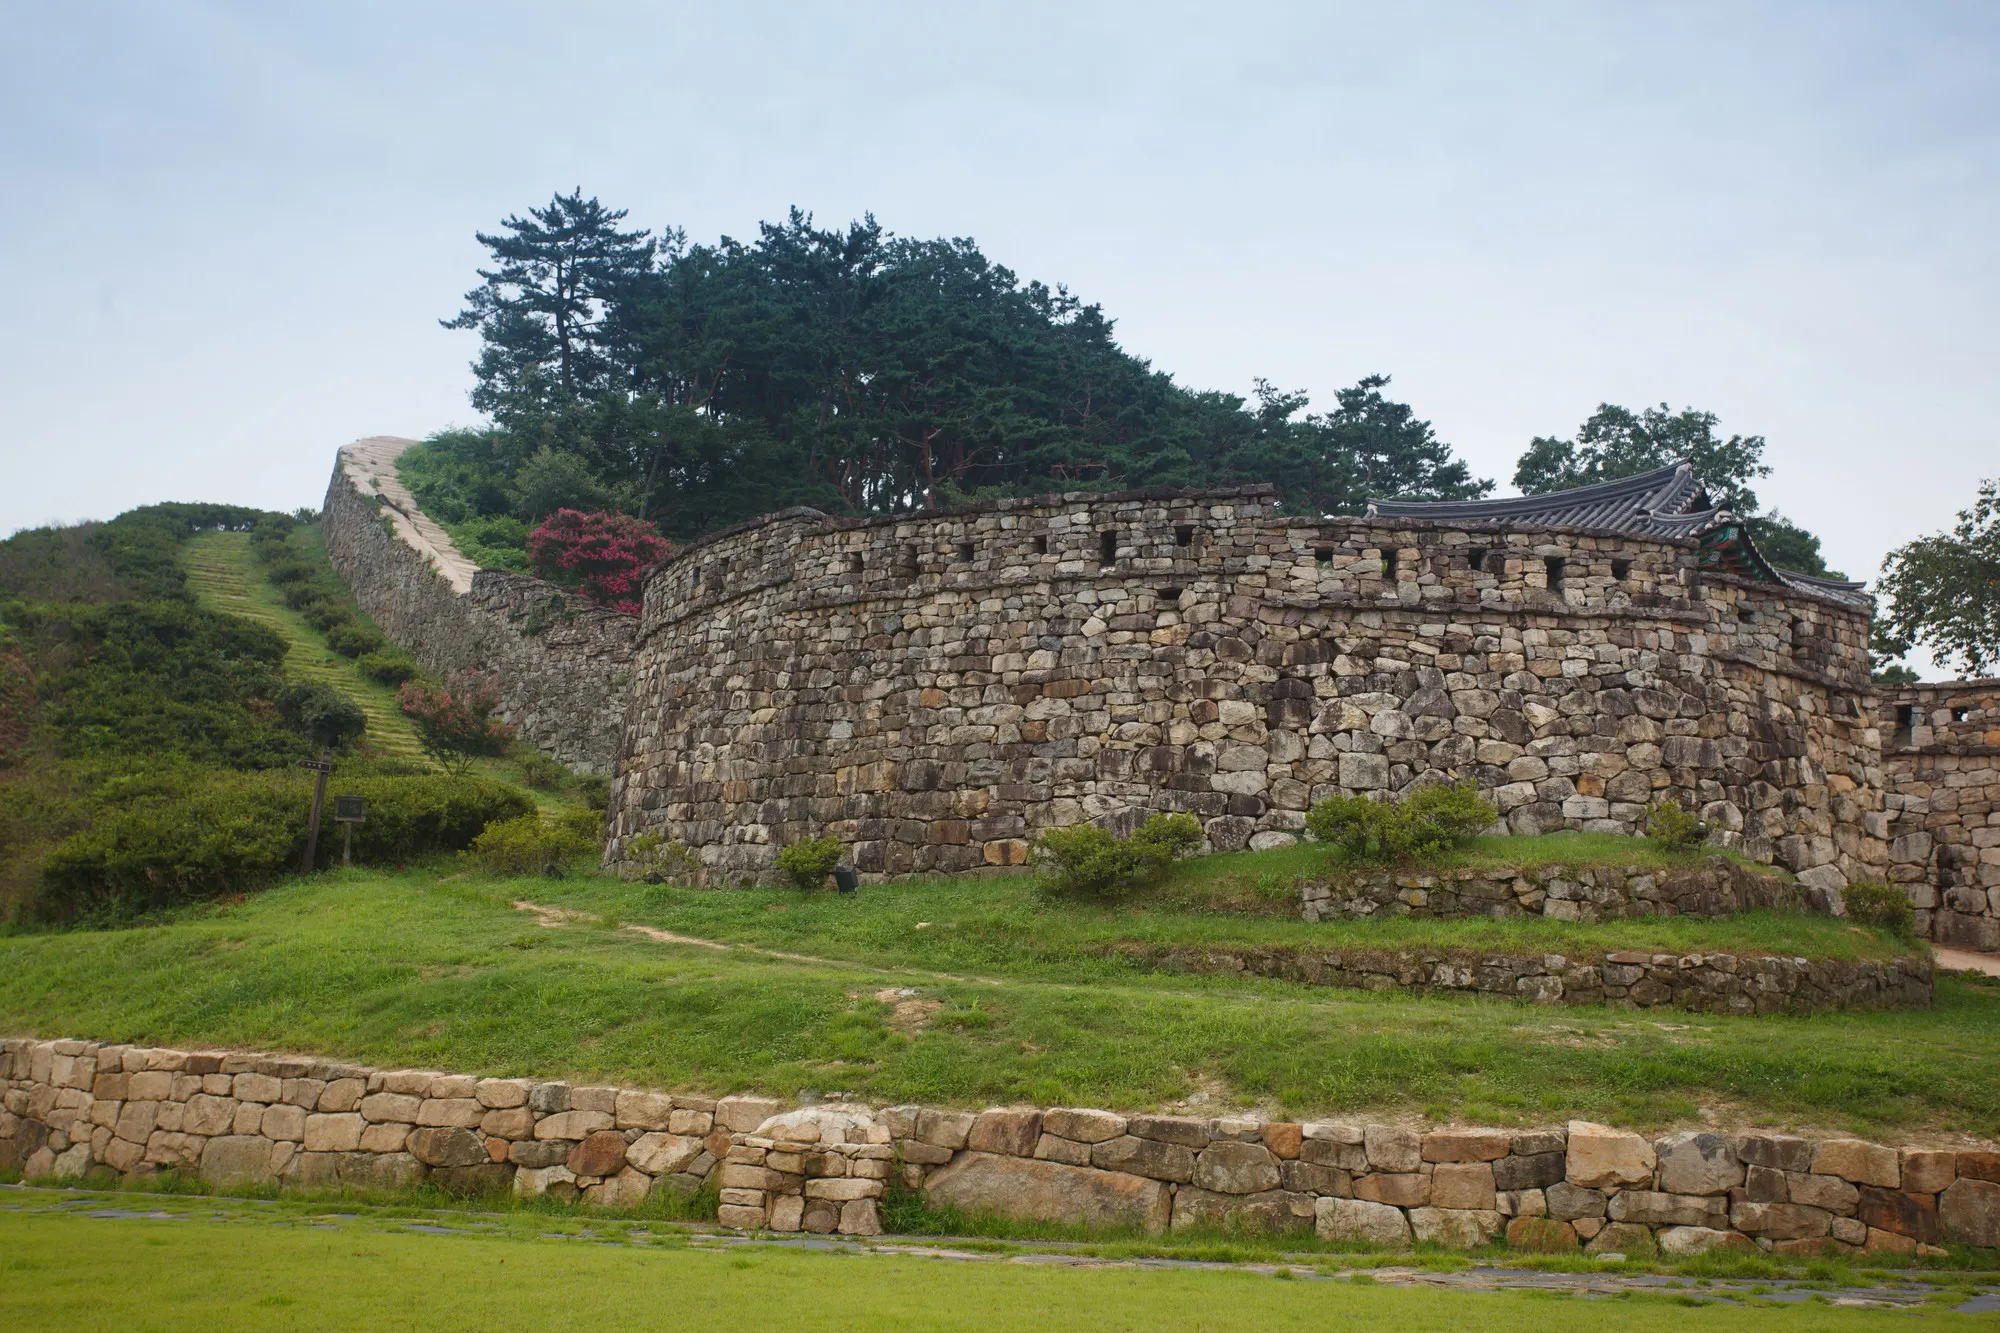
(434,968)
(221,1265)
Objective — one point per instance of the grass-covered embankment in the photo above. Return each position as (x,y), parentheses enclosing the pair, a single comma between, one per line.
(424,969)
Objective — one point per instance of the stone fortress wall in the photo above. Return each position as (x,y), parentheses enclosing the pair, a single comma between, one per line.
(68,1108)
(938,688)
(1941,761)
(564,664)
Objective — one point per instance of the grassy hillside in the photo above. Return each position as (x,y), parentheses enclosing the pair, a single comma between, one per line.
(439,968)
(225,578)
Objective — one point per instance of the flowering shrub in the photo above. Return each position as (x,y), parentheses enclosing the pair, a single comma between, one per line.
(456,722)
(602,555)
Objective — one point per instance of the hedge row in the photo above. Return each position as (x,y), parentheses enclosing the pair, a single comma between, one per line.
(192,834)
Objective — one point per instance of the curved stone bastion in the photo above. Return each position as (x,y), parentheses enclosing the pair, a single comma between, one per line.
(936,689)
(72,1108)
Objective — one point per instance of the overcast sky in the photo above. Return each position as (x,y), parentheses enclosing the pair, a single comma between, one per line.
(231,229)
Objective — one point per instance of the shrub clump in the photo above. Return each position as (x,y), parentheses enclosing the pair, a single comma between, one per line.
(455,723)
(1673,829)
(658,861)
(1086,861)
(806,863)
(389,668)
(181,835)
(534,844)
(1432,820)
(1881,905)
(322,714)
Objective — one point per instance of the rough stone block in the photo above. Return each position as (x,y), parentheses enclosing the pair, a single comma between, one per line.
(1181,1130)
(453,1112)
(1698,1163)
(450,1147)
(1599,1157)
(1467,1145)
(1402,1189)
(1656,1209)
(238,1159)
(663,1154)
(1913,1215)
(858,1217)
(1023,1188)
(1236,1168)
(1463,1185)
(1393,1150)
(287,1123)
(601,1153)
(1780,1152)
(1571,1202)
(1083,1126)
(343,1094)
(1926,1172)
(1528,1172)
(501,1094)
(1828,1192)
(333,1133)
(391,1108)
(1361,1220)
(1458,1228)
(1542,1235)
(1859,1162)
(644,1110)
(387,1138)
(1686,1240)
(1012,1132)
(514,1122)
(743,1114)
(1969,1211)
(573,1125)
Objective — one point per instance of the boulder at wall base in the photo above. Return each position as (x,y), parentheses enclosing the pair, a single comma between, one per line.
(238,1159)
(1627,1238)
(1456,1228)
(1700,1240)
(1360,1220)
(1270,1211)
(448,1147)
(1032,1190)
(1542,1235)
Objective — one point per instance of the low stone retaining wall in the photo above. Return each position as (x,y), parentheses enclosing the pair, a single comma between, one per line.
(1717,983)
(1716,887)
(72,1107)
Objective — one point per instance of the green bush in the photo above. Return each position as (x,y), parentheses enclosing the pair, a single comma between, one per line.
(1881,905)
(1432,820)
(389,668)
(178,835)
(807,863)
(323,715)
(1085,860)
(650,854)
(1673,829)
(594,790)
(541,772)
(532,843)
(353,639)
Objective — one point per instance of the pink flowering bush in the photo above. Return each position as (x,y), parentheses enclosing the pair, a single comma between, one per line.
(455,723)
(604,556)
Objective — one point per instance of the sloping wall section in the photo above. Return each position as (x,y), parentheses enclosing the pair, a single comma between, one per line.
(564,665)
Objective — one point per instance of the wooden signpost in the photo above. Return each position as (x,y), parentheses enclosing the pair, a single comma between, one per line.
(320,767)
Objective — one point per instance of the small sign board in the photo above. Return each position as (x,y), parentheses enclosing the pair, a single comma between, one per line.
(316,765)
(350,809)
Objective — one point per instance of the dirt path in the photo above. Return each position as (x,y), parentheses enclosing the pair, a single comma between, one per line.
(1965,960)
(555,918)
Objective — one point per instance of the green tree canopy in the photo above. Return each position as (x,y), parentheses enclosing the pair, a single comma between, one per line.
(857,371)
(1944,591)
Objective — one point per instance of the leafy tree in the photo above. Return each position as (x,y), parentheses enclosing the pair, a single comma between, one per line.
(540,311)
(322,714)
(455,722)
(1944,591)
(1786,544)
(604,556)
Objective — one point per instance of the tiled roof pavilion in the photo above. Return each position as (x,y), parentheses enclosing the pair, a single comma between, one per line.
(1666,502)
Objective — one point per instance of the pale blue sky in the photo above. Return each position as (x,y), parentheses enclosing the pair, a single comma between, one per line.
(230,229)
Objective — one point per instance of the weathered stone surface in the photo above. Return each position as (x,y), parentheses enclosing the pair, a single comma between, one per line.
(1913,1215)
(1653,1208)
(1466,1145)
(515,1122)
(391,1107)
(627,1189)
(1531,1172)
(1144,1157)
(1171,1129)
(1927,1172)
(573,1125)
(1083,1126)
(1780,1152)
(1969,1212)
(1626,1238)
(1828,1192)
(501,1094)
(601,1153)
(1011,1132)
(1236,1168)
(1270,1211)
(1599,1157)
(858,1217)
(1542,1235)
(1781,1221)
(534,1182)
(453,1112)
(1459,1228)
(1361,1220)
(1463,1185)
(1686,1240)
(1698,1163)
(238,1159)
(1393,1150)
(663,1154)
(944,1129)
(1404,1189)
(1020,1187)
(1859,1162)
(447,1147)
